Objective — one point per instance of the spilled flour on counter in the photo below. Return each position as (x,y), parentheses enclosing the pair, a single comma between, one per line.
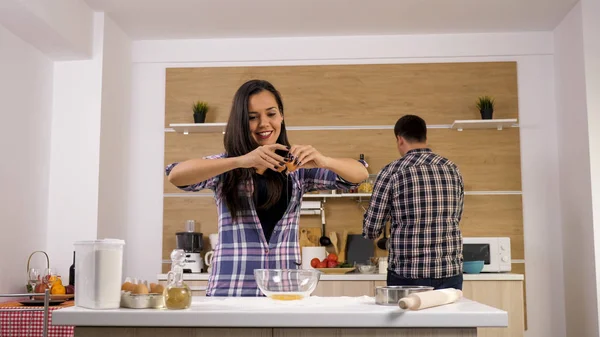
(263,302)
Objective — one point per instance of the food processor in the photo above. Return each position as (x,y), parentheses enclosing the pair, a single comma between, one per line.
(190,242)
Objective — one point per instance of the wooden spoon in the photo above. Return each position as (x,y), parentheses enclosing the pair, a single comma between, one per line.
(344,239)
(334,242)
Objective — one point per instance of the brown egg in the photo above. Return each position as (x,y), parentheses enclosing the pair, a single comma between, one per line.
(128,286)
(157,289)
(140,289)
(291,166)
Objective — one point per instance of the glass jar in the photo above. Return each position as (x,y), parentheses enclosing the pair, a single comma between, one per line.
(177,294)
(366,186)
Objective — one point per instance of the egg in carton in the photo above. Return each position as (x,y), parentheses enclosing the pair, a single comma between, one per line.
(137,294)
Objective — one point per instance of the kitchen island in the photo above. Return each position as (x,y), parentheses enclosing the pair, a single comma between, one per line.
(504,291)
(315,316)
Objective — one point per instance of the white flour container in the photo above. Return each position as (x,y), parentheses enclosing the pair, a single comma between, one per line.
(98,273)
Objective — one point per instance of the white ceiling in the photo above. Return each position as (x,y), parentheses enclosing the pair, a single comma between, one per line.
(180,19)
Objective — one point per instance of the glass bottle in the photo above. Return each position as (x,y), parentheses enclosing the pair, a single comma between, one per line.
(366,186)
(177,294)
(72,272)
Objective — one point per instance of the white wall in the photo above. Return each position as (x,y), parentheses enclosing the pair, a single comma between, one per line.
(590,10)
(91,125)
(575,186)
(26,110)
(114,133)
(145,175)
(62,30)
(75,147)
(538,118)
(541,214)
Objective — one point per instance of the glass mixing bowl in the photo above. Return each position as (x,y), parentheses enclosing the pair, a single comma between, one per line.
(287,284)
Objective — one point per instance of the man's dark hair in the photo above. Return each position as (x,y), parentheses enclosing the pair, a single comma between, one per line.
(412,128)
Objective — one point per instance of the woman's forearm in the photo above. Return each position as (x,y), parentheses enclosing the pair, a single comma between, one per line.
(347,168)
(196,170)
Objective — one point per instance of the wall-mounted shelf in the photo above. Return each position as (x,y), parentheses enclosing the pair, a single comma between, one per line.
(220,127)
(306,196)
(187,128)
(198,128)
(498,124)
(330,195)
(337,195)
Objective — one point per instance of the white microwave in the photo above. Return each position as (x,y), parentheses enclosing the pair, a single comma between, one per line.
(494,251)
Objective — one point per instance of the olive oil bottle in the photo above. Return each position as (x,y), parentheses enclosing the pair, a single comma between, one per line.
(177,294)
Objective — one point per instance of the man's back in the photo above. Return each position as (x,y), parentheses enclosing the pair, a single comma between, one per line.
(424,196)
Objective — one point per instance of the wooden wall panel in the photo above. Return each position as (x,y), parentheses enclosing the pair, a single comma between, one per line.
(489,160)
(495,215)
(347,214)
(351,94)
(178,210)
(180,147)
(364,95)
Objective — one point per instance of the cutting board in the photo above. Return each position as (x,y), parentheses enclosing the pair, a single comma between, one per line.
(309,237)
(360,250)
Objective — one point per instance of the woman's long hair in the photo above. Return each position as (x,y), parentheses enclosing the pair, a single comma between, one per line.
(238,141)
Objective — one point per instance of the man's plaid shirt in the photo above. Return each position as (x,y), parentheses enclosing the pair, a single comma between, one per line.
(422,194)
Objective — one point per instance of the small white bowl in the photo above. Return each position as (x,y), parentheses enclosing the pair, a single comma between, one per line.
(366,268)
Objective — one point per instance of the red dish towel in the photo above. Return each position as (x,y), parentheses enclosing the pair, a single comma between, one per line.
(26,322)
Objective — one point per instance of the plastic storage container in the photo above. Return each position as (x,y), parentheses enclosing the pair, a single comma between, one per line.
(98,273)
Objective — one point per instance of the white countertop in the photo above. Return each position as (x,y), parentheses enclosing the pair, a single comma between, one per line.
(334,312)
(373,277)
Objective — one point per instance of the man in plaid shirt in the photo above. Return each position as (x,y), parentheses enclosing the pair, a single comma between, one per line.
(422,193)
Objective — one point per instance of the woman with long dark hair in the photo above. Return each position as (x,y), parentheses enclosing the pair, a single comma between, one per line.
(258,183)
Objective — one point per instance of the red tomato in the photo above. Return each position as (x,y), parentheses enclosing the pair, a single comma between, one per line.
(314,262)
(322,264)
(332,257)
(332,264)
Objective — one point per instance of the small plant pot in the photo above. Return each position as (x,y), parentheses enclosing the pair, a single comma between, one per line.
(199,118)
(486,113)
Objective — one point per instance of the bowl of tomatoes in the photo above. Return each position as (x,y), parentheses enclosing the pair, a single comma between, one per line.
(331,265)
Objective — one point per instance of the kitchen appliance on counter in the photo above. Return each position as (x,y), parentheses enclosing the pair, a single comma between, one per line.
(493,251)
(191,243)
(214,240)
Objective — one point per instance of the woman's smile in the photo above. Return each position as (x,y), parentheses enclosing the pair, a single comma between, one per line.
(264,135)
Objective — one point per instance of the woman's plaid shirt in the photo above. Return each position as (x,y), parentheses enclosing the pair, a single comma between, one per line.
(423,194)
(242,246)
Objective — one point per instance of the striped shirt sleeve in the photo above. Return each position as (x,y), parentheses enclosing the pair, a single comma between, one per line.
(210,183)
(379,205)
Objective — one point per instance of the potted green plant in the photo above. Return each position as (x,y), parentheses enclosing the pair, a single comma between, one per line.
(485,104)
(200,108)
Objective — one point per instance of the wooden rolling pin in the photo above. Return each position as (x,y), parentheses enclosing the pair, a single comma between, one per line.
(428,299)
